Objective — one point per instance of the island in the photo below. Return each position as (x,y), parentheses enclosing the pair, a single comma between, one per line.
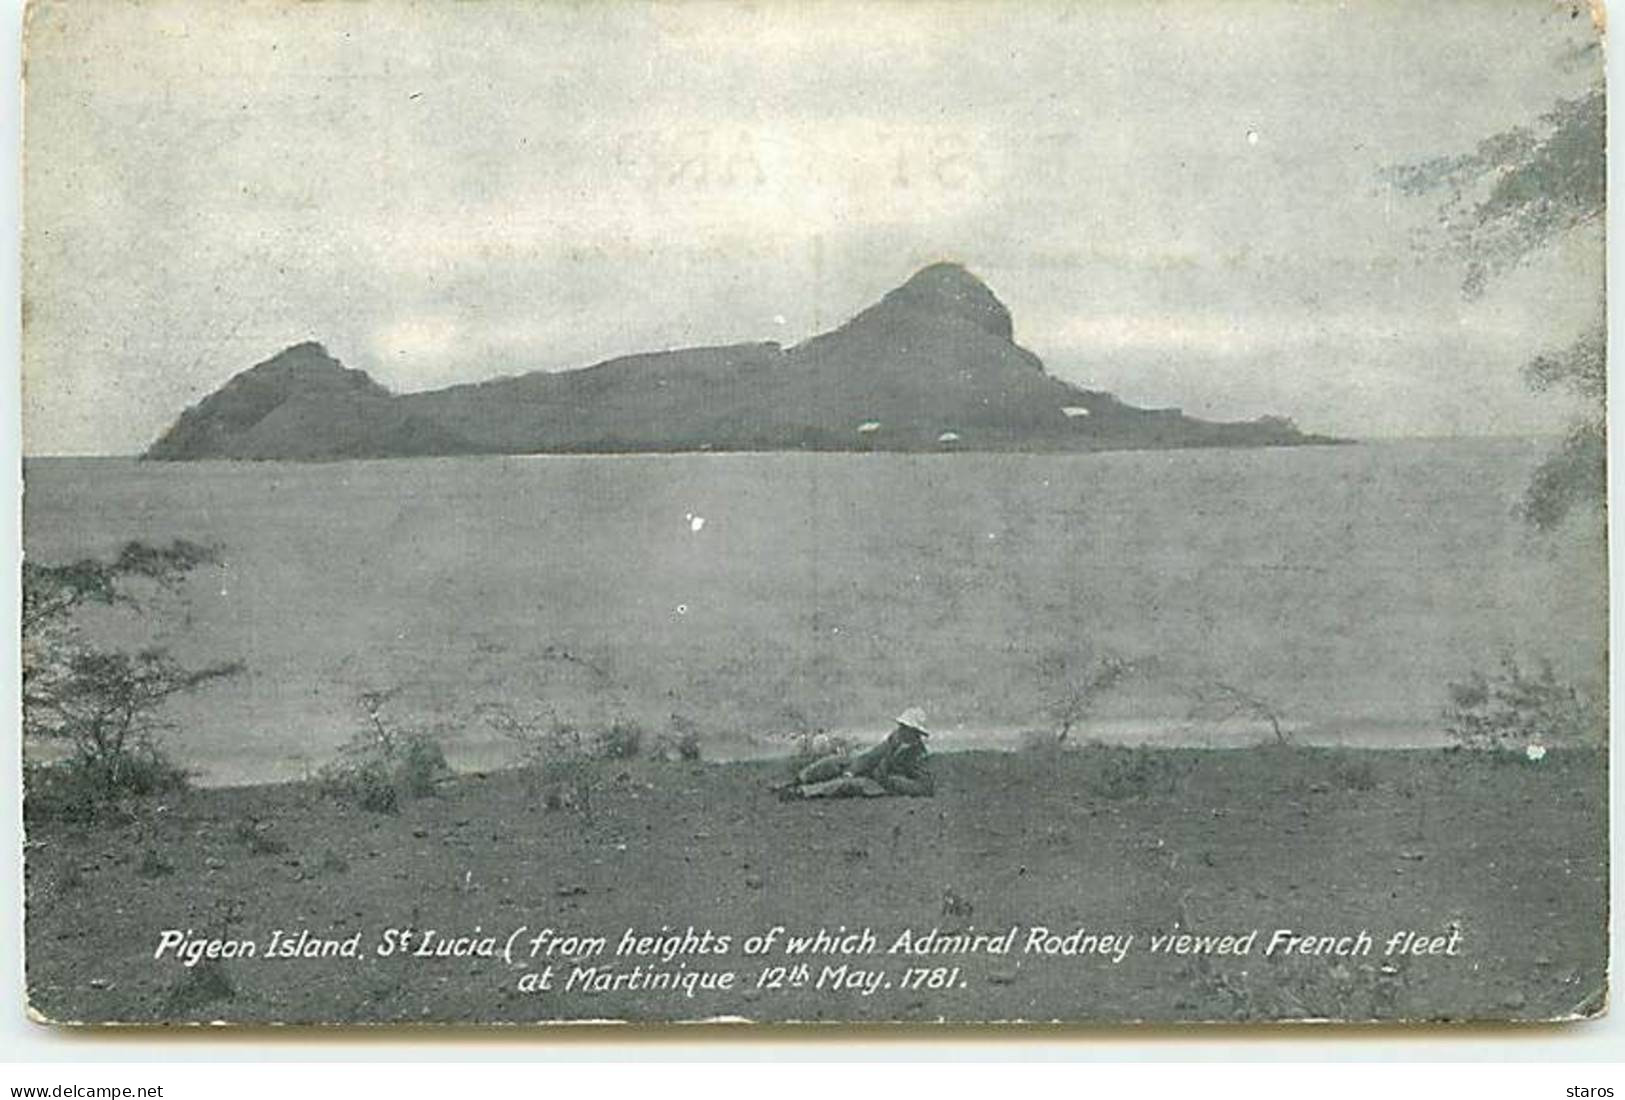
(932,367)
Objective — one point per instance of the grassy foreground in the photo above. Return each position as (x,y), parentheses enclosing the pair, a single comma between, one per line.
(1506,854)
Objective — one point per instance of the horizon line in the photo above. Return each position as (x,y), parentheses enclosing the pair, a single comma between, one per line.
(1430,437)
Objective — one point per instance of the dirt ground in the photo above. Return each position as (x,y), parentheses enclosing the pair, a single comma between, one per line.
(1499,858)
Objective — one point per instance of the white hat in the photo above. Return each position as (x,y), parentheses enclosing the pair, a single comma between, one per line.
(914,719)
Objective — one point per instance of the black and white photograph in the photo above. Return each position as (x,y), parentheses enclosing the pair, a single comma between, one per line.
(868,513)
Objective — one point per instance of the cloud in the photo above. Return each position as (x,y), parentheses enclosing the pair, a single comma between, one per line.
(447,192)
(1215,335)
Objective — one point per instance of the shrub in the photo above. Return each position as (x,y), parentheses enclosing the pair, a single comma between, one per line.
(105,705)
(84,789)
(565,770)
(51,592)
(52,793)
(1516,707)
(556,761)
(623,740)
(1217,701)
(147,770)
(369,787)
(682,741)
(422,763)
(382,766)
(1076,682)
(1576,475)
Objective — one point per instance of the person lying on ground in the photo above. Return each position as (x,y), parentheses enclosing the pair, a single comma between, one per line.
(895,766)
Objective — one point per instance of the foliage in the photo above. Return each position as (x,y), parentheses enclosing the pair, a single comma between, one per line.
(554,757)
(366,784)
(566,773)
(50,592)
(1516,707)
(1077,683)
(73,791)
(1518,190)
(56,792)
(1577,473)
(381,765)
(105,705)
(1515,194)
(1582,369)
(422,764)
(682,741)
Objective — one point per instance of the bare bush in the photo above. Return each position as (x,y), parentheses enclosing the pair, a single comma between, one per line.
(382,764)
(555,758)
(1516,707)
(1077,682)
(682,740)
(1218,701)
(621,740)
(105,705)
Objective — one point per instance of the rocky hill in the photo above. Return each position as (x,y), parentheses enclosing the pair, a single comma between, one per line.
(932,366)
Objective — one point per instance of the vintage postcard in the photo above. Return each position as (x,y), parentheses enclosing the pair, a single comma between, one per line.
(857,512)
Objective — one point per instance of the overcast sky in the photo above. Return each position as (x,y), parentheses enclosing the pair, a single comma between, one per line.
(1181,203)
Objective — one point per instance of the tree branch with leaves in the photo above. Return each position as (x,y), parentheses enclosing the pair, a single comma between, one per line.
(1514,195)
(106,705)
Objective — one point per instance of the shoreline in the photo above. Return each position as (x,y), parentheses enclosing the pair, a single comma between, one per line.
(765,758)
(1544,438)
(1322,843)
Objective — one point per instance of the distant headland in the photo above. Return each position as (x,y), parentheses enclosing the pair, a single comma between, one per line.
(931,367)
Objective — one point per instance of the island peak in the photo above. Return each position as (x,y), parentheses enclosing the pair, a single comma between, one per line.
(932,366)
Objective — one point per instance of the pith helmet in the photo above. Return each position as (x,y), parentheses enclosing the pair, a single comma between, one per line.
(914,719)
